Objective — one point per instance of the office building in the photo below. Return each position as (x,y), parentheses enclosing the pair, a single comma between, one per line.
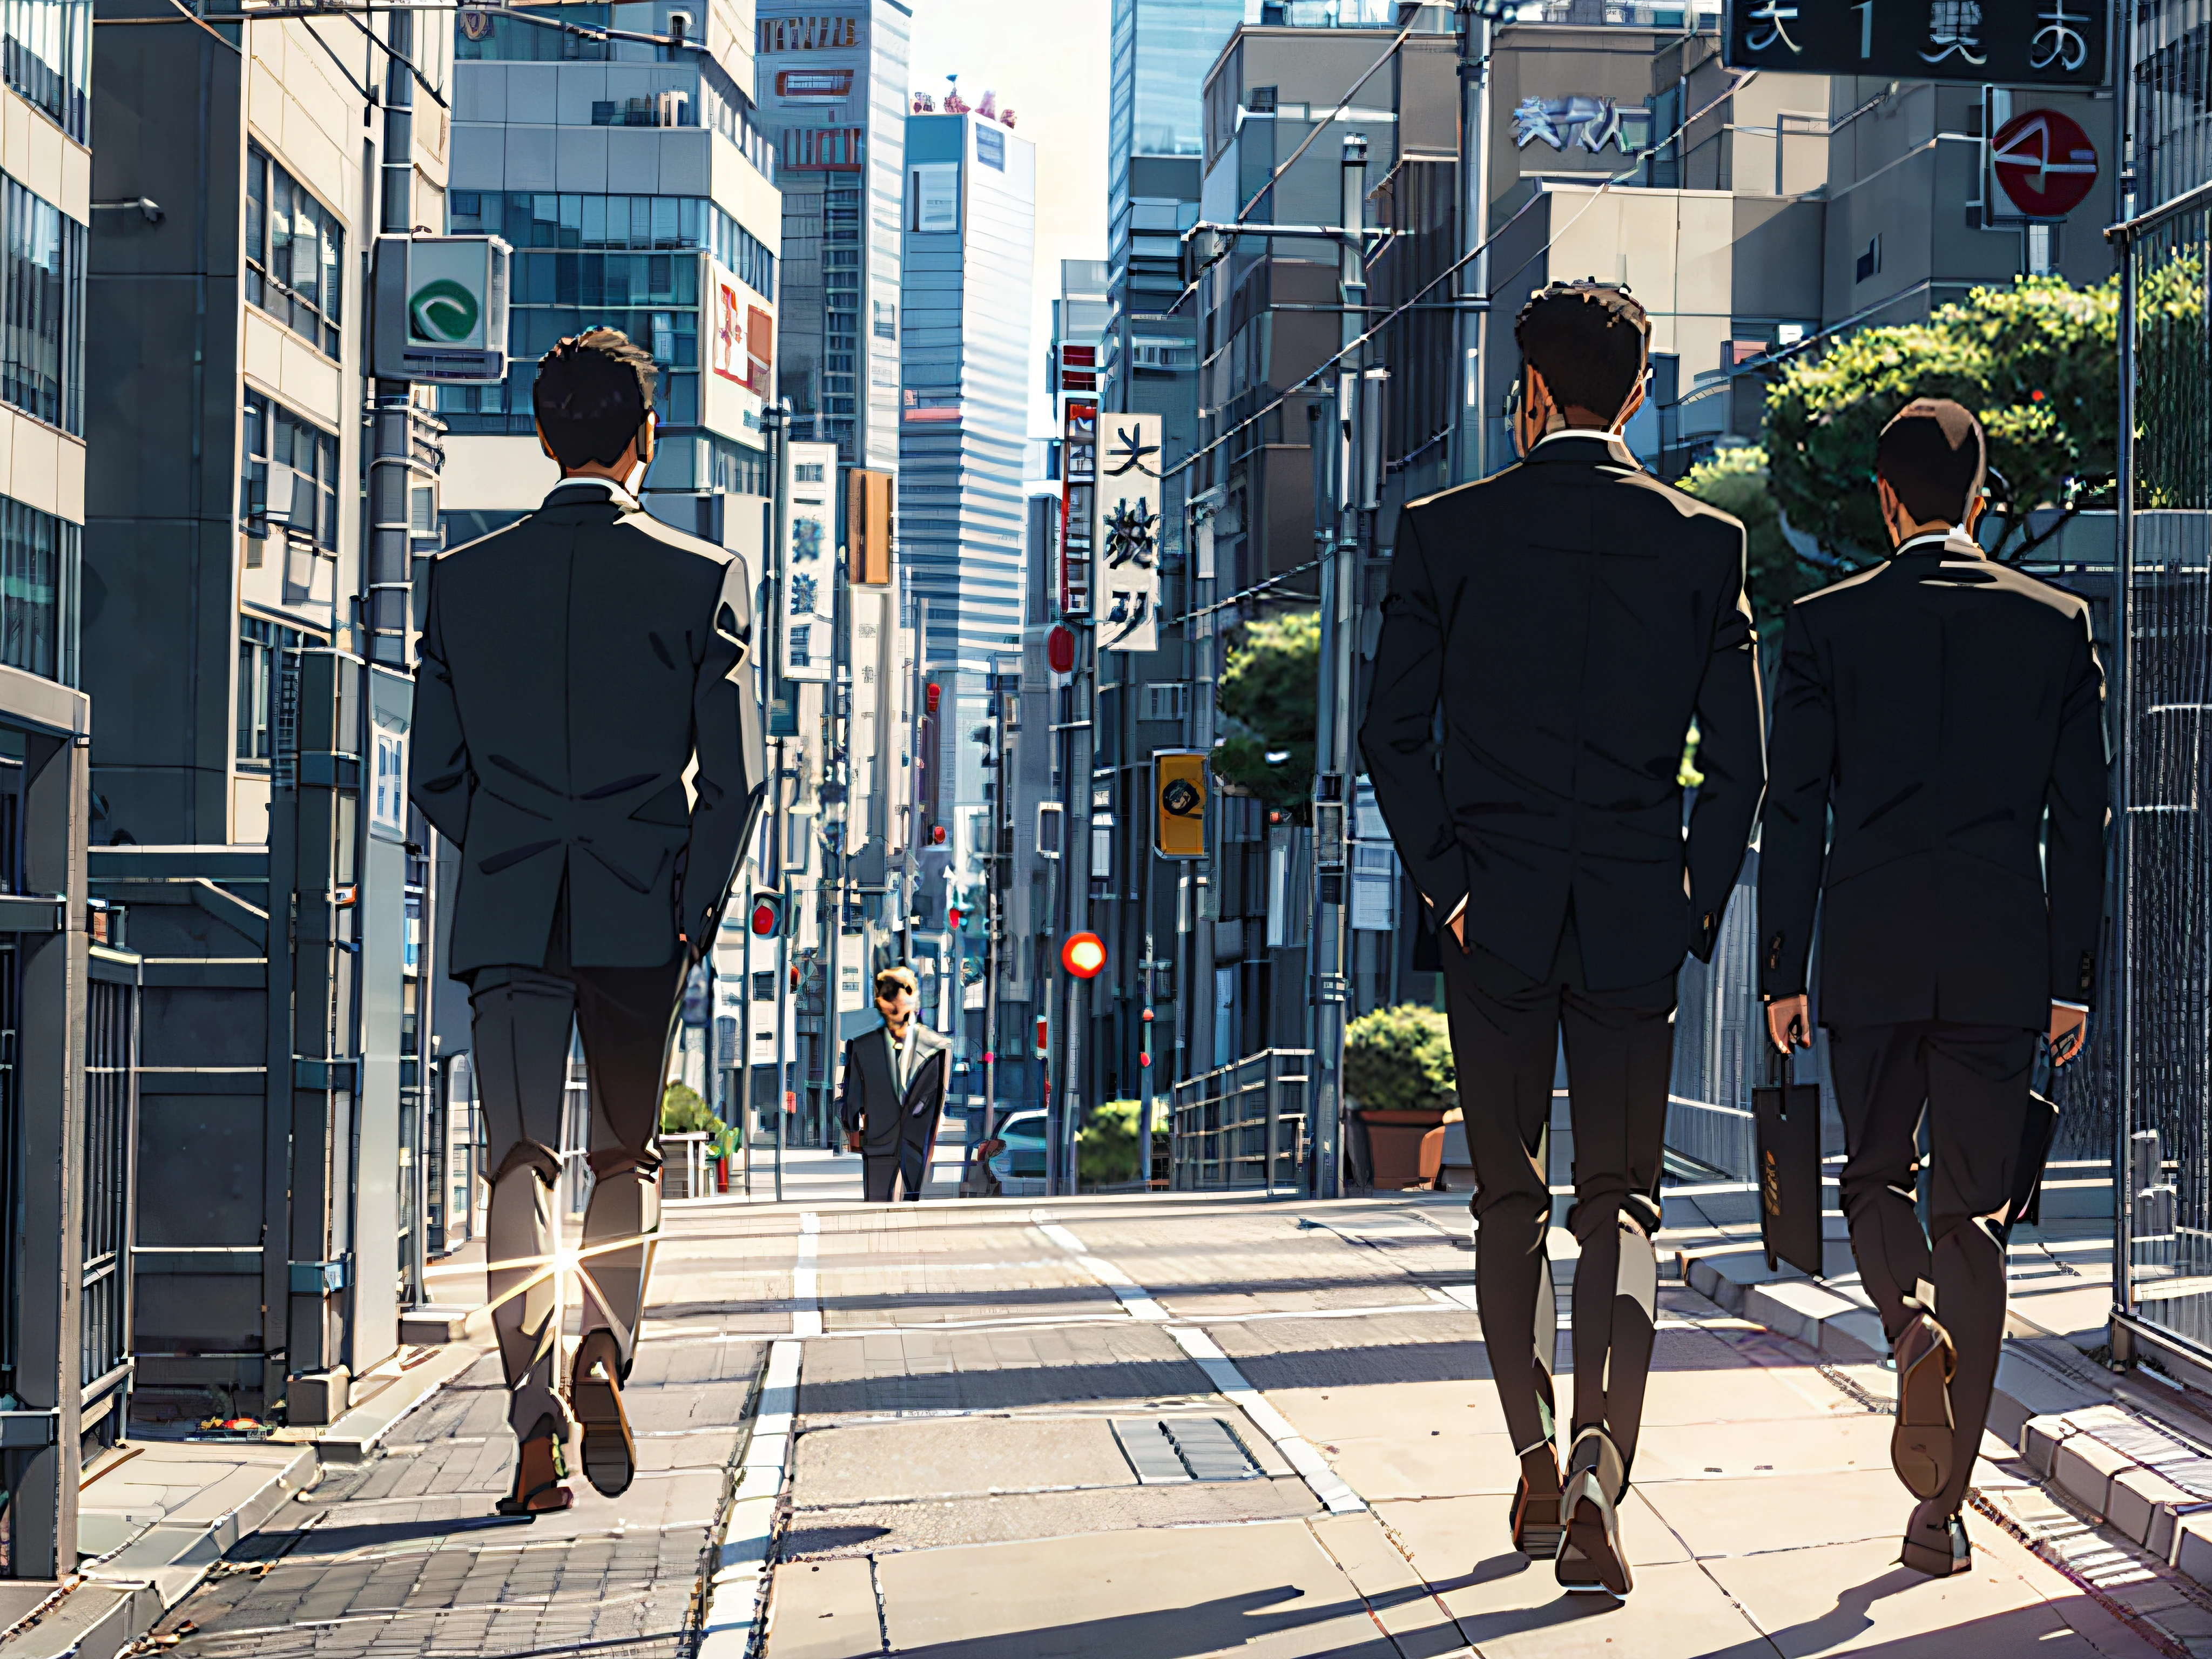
(636,185)
(832,88)
(970,207)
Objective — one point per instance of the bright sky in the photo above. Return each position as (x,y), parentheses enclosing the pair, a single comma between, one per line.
(1047,59)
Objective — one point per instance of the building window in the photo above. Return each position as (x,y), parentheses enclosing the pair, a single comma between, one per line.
(42,357)
(830,149)
(815,34)
(740,470)
(261,646)
(288,476)
(744,255)
(40,560)
(46,55)
(294,252)
(886,322)
(813,83)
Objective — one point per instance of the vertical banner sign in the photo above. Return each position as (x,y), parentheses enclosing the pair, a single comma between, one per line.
(1127,536)
(1179,787)
(810,571)
(1078,485)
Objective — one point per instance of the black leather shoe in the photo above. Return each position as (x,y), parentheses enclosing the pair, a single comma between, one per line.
(1591,1556)
(1920,1447)
(1936,1543)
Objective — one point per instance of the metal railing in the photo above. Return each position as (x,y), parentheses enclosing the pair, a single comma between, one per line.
(1243,1125)
(2161,949)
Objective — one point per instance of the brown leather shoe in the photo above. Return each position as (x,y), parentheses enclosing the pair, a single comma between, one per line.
(595,1396)
(1591,1556)
(1921,1446)
(1936,1543)
(540,1469)
(1537,1530)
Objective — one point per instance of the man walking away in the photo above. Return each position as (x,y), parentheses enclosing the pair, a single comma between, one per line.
(575,667)
(1946,715)
(894,1091)
(1568,619)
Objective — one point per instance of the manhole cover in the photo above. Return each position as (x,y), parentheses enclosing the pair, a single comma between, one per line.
(1166,1449)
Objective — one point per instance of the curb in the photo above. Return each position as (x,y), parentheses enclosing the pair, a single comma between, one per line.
(2129,1470)
(736,1587)
(359,1432)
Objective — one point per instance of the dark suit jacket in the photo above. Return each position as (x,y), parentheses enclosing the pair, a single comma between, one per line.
(873,1104)
(574,666)
(1568,617)
(1947,713)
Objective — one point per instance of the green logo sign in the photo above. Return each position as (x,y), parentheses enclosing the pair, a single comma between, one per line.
(442,310)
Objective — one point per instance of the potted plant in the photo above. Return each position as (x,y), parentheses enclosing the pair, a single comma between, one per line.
(1398,1066)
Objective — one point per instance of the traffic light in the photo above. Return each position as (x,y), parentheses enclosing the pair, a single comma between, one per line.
(1083,954)
(952,918)
(930,695)
(767,918)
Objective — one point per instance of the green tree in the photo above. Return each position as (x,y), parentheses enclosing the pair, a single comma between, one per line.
(2036,360)
(1399,1058)
(1270,693)
(1736,480)
(683,1112)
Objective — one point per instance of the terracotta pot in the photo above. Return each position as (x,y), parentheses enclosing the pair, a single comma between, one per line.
(1393,1142)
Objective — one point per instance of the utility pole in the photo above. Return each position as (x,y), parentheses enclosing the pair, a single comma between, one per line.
(775,426)
(1352,436)
(836,784)
(1470,429)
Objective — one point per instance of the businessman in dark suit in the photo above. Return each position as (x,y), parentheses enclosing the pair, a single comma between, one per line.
(1567,620)
(574,667)
(1940,794)
(894,1091)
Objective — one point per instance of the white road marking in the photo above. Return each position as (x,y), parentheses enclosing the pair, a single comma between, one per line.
(737,1591)
(1220,1370)
(806,1280)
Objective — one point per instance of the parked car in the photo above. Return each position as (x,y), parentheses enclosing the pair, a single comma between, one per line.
(1019,1164)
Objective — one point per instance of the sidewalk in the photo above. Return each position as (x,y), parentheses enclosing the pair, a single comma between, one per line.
(1166,1428)
(813,1175)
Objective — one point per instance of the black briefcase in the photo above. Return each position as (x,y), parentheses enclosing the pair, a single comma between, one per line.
(1786,1121)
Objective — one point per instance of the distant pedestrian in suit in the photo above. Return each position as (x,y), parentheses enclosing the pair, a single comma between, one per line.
(1945,715)
(1561,625)
(576,666)
(895,1077)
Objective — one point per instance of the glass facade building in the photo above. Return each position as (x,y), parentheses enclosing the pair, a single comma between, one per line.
(969,210)
(835,89)
(632,180)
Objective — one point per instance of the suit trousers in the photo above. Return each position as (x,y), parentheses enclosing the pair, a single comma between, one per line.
(523,1018)
(1505,1032)
(1971,1084)
(879,1177)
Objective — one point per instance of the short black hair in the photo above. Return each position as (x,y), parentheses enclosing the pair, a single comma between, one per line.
(1934,455)
(1587,339)
(593,394)
(891,981)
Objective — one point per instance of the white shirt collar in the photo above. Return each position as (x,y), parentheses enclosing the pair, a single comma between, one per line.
(1939,538)
(614,491)
(1574,431)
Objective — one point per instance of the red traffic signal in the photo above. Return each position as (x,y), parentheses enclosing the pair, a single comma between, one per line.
(952,918)
(1043,1036)
(1083,954)
(767,919)
(1060,650)
(930,694)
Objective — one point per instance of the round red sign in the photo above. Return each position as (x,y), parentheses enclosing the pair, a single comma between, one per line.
(2044,162)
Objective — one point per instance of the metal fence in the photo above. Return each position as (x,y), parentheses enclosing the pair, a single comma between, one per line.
(110,1135)
(1717,1021)
(1241,1125)
(2163,622)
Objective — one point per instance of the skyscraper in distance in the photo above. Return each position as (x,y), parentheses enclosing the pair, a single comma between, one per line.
(970,213)
(834,88)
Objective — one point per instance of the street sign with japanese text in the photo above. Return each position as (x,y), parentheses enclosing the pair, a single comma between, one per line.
(1125,583)
(2006,43)
(809,570)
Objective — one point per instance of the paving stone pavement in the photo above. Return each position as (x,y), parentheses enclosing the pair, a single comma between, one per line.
(402,1555)
(956,1487)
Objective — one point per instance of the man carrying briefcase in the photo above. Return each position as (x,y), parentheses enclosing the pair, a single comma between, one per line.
(1947,714)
